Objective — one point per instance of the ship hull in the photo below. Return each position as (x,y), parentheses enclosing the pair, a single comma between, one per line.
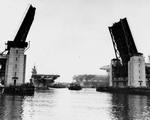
(42,84)
(75,87)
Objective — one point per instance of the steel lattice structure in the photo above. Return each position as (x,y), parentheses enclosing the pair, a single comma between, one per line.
(122,40)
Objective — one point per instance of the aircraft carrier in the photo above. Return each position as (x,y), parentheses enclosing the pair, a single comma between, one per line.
(42,81)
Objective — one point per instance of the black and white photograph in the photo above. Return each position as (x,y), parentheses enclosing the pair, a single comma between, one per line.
(74,60)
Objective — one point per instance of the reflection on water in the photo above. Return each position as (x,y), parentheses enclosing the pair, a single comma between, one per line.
(130,107)
(87,104)
(10,107)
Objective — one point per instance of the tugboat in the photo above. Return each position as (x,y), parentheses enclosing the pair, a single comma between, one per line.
(74,86)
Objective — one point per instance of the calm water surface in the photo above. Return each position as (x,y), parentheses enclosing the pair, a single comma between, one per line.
(63,104)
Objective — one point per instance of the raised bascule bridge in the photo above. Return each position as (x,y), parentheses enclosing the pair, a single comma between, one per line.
(129,67)
(13,59)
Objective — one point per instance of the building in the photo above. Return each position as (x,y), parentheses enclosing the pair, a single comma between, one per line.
(136,72)
(15,67)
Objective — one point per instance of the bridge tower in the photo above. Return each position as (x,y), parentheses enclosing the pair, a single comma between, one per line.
(124,48)
(16,58)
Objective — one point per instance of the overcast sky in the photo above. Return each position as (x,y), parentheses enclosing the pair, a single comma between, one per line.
(70,37)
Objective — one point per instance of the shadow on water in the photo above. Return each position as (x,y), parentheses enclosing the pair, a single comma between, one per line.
(130,107)
(11,107)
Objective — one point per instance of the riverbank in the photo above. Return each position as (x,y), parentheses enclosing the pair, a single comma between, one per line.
(129,90)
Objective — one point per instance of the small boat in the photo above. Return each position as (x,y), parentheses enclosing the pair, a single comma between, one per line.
(74,86)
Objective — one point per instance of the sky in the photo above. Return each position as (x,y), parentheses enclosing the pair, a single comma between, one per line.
(71,37)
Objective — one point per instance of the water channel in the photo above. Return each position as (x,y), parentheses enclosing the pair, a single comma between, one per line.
(64,104)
